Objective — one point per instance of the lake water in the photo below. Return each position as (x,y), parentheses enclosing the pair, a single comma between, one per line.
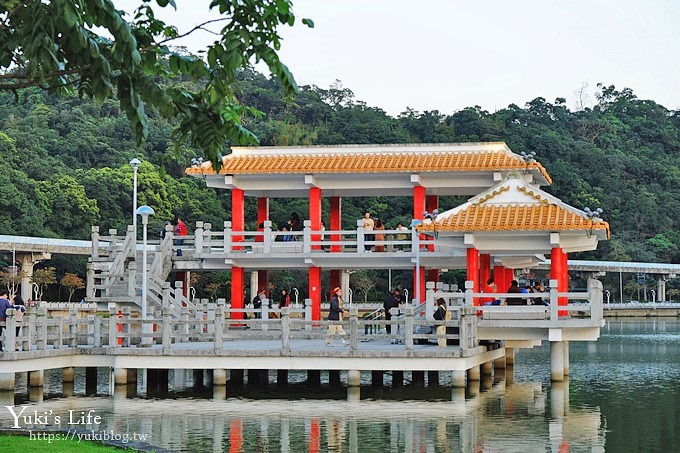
(622,395)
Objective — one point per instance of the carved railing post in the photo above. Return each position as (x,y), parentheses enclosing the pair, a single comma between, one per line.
(166,334)
(219,325)
(72,329)
(408,327)
(10,330)
(353,327)
(285,329)
(360,236)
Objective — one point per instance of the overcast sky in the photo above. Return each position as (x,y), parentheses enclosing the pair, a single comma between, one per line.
(448,54)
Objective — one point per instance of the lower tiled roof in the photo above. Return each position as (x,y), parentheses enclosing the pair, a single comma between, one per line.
(539,217)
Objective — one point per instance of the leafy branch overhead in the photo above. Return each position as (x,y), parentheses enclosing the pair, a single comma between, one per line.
(91,48)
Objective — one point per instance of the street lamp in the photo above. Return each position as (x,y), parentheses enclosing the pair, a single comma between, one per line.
(145,212)
(416,242)
(134,163)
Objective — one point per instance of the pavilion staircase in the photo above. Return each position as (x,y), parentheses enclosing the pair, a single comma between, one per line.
(115,273)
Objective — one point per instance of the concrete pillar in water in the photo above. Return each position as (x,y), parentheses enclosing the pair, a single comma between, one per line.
(282,377)
(510,356)
(499,363)
(36,378)
(219,377)
(334,376)
(120,376)
(458,394)
(6,381)
(67,389)
(473,373)
(68,374)
(473,388)
(487,368)
(458,379)
(35,394)
(510,374)
(353,393)
(397,378)
(90,380)
(377,378)
(557,361)
(433,378)
(353,378)
(486,382)
(566,357)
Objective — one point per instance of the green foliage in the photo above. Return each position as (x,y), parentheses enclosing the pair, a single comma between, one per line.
(56,46)
(66,165)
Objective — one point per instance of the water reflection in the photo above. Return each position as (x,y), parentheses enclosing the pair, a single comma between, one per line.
(508,417)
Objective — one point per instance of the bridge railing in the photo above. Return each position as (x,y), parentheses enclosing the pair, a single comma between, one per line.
(580,305)
(207,242)
(122,329)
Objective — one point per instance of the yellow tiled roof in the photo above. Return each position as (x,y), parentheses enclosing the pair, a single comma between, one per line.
(542,217)
(379,162)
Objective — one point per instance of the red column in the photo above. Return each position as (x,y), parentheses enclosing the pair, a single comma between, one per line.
(336,223)
(557,273)
(418,202)
(237,291)
(418,208)
(262,210)
(499,279)
(238,221)
(315,214)
(484,268)
(565,279)
(315,291)
(473,271)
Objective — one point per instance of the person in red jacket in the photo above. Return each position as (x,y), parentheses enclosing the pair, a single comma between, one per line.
(180,230)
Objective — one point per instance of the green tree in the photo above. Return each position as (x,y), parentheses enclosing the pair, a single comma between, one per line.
(90,48)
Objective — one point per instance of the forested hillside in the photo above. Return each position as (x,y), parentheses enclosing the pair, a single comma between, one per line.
(66,160)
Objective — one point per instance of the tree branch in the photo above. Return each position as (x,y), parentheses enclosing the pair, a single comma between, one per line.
(197,27)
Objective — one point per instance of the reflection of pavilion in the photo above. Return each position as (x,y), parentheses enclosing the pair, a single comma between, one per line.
(502,416)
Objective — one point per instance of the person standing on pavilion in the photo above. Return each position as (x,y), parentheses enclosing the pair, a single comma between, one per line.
(369,224)
(335,313)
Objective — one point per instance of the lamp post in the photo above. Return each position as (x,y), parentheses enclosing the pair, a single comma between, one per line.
(416,243)
(145,212)
(134,163)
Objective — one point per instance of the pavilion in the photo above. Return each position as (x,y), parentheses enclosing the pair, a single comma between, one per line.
(508,223)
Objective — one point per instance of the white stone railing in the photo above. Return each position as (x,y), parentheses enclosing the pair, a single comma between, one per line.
(217,324)
(581,305)
(206,242)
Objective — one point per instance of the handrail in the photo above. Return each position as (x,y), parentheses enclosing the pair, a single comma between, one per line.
(122,330)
